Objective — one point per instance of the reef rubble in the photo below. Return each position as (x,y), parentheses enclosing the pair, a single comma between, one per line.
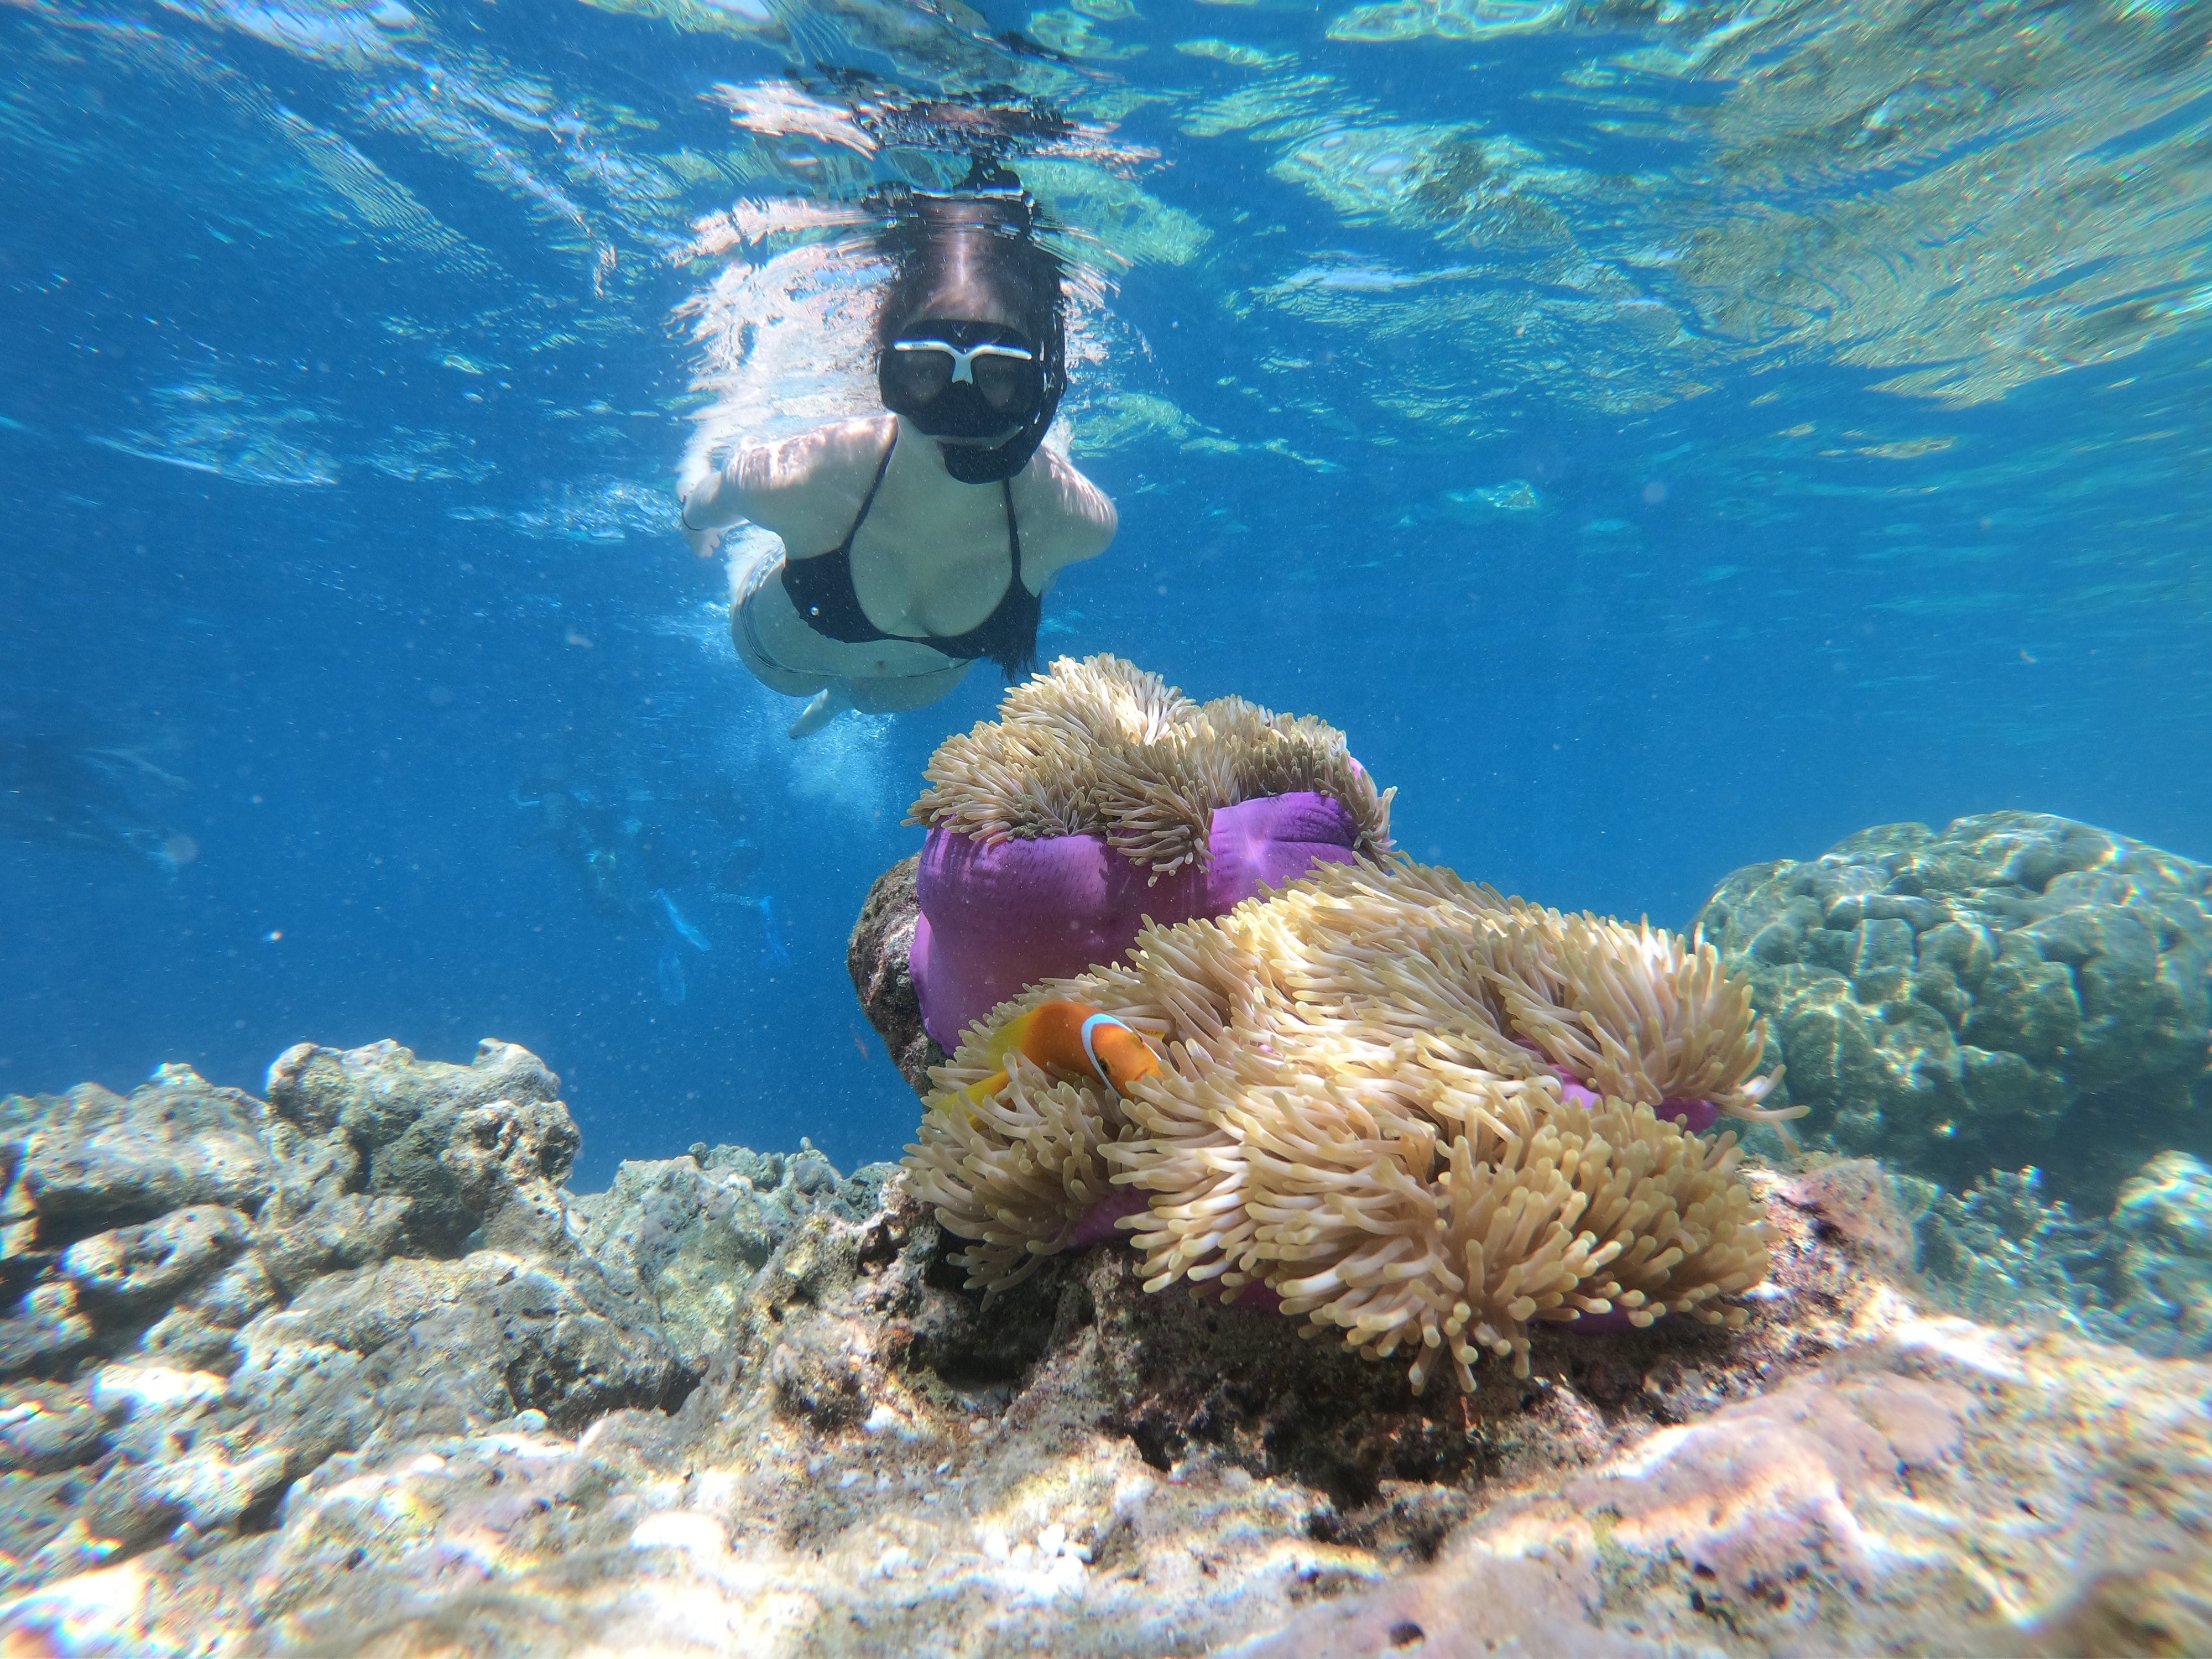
(348,1367)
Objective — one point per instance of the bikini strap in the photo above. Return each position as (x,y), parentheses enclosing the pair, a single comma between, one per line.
(1013,532)
(869,500)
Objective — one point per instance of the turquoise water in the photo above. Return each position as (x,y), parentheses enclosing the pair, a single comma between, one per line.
(1664,439)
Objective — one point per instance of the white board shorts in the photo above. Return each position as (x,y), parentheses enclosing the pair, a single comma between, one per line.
(880,676)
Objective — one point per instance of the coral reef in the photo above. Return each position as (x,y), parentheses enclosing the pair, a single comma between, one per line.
(1404,1108)
(868,1462)
(2142,1276)
(2018,989)
(211,1296)
(1100,797)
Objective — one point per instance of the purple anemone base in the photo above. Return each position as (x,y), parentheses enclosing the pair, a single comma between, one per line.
(1694,1115)
(1604,1324)
(1101,1225)
(996,919)
(1097,1225)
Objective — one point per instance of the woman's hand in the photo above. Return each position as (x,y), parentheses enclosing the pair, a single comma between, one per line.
(705,543)
(806,490)
(696,509)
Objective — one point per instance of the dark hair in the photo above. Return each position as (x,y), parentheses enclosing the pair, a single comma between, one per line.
(953,254)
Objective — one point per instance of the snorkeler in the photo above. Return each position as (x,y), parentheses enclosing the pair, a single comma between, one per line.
(919,542)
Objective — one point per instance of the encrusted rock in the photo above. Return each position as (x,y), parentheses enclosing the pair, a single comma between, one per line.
(511,1444)
(200,1332)
(2147,1610)
(458,1142)
(2018,985)
(2142,1276)
(879,958)
(1745,1523)
(876,1463)
(212,1298)
(2000,1252)
(47,1427)
(89,1159)
(2161,1243)
(48,1329)
(689,1233)
(446,1348)
(155,1258)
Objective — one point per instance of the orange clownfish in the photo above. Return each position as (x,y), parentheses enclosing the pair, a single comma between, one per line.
(1069,1039)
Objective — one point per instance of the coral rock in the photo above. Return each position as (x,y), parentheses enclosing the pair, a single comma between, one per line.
(689,1233)
(89,1159)
(1953,1002)
(457,1142)
(166,1378)
(879,955)
(419,1451)
(2162,1234)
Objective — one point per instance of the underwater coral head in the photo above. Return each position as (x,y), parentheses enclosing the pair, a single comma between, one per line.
(1101,747)
(1364,1110)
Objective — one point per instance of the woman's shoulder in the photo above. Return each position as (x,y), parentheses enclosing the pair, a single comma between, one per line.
(803,486)
(1062,511)
(818,454)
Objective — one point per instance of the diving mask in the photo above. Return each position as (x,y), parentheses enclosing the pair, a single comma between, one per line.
(969,382)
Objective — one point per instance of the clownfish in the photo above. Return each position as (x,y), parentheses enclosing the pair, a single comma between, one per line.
(1069,1039)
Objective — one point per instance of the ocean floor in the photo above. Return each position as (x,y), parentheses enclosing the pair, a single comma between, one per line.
(347,1368)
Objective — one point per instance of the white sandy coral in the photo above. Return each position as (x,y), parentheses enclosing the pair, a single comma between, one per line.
(1102,747)
(1359,1113)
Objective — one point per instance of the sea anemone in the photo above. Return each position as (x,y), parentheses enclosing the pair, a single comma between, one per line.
(1409,1110)
(1102,796)
(1102,748)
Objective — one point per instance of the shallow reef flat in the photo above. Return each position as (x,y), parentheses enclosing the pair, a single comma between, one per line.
(346,1367)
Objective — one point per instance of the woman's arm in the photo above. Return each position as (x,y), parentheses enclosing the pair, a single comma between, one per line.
(798,488)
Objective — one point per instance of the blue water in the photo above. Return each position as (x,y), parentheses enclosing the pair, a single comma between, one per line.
(1660,444)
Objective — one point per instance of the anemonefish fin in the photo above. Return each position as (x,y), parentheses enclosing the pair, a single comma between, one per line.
(1000,1043)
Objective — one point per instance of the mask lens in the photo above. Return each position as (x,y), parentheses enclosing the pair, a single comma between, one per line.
(1006,383)
(917,373)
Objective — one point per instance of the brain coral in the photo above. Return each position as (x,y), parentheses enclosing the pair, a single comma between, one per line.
(1363,1113)
(2018,989)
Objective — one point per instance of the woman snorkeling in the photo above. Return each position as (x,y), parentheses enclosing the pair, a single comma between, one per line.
(919,542)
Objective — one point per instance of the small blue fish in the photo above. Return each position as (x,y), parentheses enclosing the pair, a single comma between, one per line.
(684,931)
(669,971)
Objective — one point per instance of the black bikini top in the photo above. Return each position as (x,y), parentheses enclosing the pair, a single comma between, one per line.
(821,590)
